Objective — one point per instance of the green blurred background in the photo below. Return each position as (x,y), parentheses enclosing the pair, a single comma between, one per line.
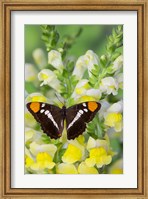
(93,37)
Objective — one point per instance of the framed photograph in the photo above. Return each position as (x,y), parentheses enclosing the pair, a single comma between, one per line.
(73,99)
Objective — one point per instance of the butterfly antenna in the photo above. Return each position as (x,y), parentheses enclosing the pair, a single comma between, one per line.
(59,99)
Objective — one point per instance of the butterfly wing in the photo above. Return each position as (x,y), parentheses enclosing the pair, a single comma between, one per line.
(49,116)
(78,116)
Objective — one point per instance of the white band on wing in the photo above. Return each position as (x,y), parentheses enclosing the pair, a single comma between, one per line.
(50,117)
(47,112)
(76,118)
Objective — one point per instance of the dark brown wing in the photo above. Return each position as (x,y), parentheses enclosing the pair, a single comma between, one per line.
(78,116)
(49,116)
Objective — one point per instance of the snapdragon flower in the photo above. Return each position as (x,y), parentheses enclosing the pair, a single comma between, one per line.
(36,97)
(39,58)
(81,88)
(74,152)
(83,92)
(96,93)
(113,116)
(32,135)
(99,152)
(49,78)
(109,85)
(55,59)
(29,119)
(30,72)
(119,78)
(65,168)
(118,63)
(36,148)
(99,157)
(85,62)
(42,161)
(83,168)
(92,143)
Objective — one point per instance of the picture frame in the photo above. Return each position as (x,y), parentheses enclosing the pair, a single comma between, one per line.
(7,7)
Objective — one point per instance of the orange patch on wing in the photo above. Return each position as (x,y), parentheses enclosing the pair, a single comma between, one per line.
(35,106)
(92,106)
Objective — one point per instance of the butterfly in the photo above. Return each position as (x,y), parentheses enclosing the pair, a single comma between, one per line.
(51,117)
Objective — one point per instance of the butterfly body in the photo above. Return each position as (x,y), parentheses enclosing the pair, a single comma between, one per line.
(51,118)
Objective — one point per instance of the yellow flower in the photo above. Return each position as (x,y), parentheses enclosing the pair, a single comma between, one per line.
(98,157)
(36,97)
(36,148)
(72,154)
(29,161)
(114,120)
(64,168)
(85,98)
(84,169)
(43,161)
(81,139)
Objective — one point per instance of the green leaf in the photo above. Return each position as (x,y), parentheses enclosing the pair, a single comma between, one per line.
(96,128)
(46,139)
(58,155)
(115,98)
(30,88)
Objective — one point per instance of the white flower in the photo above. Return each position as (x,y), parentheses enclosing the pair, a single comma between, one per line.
(85,62)
(80,67)
(30,72)
(31,135)
(83,92)
(118,63)
(49,78)
(81,88)
(92,59)
(116,107)
(39,58)
(94,93)
(109,85)
(104,106)
(119,78)
(55,59)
